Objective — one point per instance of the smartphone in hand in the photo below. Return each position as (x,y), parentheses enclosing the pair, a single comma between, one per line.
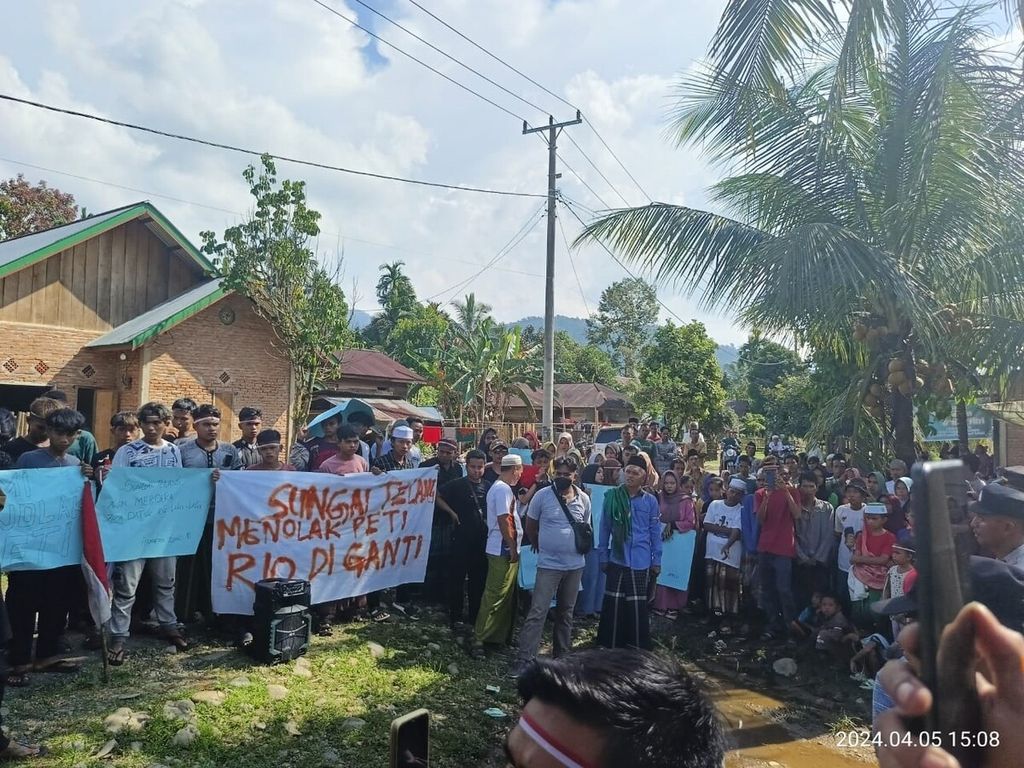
(410,740)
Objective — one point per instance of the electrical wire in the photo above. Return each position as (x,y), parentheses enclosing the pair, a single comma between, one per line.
(493,56)
(583,182)
(282,158)
(617,261)
(594,166)
(517,238)
(448,56)
(529,79)
(572,262)
(436,71)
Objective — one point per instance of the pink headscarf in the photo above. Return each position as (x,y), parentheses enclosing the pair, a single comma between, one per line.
(677,508)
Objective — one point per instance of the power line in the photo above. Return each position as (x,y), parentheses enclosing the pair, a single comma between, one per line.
(239,214)
(621,164)
(584,183)
(450,57)
(493,56)
(568,251)
(617,261)
(594,166)
(534,82)
(436,71)
(282,158)
(517,238)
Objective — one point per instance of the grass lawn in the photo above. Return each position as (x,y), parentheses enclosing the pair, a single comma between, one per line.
(336,713)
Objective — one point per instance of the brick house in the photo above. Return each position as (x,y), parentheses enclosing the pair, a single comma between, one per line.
(118,309)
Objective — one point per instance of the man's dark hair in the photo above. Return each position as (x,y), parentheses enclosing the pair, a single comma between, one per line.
(346,432)
(649,710)
(154,411)
(832,596)
(744,459)
(360,417)
(838,457)
(692,452)
(206,411)
(808,477)
(476,453)
(65,421)
(8,425)
(248,413)
(56,394)
(633,420)
(124,419)
(566,461)
(751,443)
(184,404)
(414,420)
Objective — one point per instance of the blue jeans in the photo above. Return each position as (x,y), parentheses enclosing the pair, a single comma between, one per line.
(777,588)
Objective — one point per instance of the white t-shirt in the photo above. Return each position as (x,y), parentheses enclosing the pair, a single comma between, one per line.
(139,453)
(846,517)
(500,501)
(720,513)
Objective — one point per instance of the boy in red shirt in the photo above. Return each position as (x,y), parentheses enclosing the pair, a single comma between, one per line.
(869,563)
(778,509)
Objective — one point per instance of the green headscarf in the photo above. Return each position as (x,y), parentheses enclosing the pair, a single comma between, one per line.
(617,504)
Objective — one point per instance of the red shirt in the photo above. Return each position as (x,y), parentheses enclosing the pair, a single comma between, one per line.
(879,544)
(778,531)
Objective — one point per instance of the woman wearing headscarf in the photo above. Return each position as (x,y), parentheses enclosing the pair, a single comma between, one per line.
(899,506)
(675,503)
(531,438)
(876,487)
(564,446)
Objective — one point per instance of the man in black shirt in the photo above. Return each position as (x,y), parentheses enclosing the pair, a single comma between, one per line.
(448,469)
(35,438)
(250,421)
(465,502)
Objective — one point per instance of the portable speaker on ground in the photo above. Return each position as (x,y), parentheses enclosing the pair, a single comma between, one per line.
(282,624)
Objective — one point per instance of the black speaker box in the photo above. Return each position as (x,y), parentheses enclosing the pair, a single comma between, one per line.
(282,624)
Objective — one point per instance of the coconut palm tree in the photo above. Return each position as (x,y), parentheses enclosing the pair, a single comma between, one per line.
(469,312)
(871,204)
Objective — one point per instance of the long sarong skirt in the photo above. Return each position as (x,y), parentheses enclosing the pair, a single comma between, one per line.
(624,617)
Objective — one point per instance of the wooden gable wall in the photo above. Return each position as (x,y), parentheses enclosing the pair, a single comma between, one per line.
(98,284)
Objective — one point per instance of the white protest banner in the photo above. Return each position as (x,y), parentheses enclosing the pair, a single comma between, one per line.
(347,536)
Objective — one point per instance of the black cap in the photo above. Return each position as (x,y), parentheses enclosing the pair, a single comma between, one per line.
(1003,500)
(996,585)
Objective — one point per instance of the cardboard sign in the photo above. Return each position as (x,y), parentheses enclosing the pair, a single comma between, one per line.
(347,536)
(41,519)
(676,560)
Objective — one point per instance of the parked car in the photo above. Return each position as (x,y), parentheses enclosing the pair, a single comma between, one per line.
(606,436)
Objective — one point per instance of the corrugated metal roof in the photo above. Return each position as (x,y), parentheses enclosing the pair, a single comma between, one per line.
(384,409)
(13,249)
(20,252)
(371,364)
(584,395)
(140,329)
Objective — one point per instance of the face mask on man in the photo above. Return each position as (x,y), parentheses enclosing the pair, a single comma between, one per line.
(562,484)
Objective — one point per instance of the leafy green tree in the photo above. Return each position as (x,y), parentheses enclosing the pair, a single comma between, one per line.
(417,336)
(469,312)
(875,173)
(789,405)
(27,208)
(680,377)
(762,364)
(575,362)
(626,316)
(267,258)
(397,297)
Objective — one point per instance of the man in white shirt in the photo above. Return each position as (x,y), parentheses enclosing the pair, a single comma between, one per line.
(497,614)
(849,522)
(998,524)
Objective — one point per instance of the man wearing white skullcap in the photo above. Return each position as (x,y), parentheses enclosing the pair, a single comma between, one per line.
(398,457)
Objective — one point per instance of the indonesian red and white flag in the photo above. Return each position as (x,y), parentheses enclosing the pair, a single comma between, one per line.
(94,567)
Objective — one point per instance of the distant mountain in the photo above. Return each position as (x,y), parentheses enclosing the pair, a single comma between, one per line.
(360,319)
(574,326)
(577,328)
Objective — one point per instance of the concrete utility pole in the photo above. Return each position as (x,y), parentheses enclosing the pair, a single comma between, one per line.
(552,129)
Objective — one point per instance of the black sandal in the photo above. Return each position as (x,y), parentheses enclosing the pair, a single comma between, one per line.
(17,680)
(380,616)
(116,655)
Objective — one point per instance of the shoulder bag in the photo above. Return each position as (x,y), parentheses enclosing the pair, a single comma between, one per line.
(582,532)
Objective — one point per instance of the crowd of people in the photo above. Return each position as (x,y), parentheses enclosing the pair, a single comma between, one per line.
(790,548)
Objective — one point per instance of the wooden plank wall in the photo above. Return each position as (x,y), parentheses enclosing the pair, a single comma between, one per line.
(98,284)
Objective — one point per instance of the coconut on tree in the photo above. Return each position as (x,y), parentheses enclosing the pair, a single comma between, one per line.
(874,182)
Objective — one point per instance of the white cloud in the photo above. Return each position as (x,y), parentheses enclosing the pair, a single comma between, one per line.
(291,78)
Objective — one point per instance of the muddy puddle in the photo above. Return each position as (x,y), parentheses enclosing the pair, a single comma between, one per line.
(765,732)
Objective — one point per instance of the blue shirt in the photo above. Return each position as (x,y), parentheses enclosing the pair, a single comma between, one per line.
(750,529)
(642,548)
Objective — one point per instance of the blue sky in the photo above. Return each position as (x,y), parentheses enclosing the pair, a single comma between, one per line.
(289,77)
